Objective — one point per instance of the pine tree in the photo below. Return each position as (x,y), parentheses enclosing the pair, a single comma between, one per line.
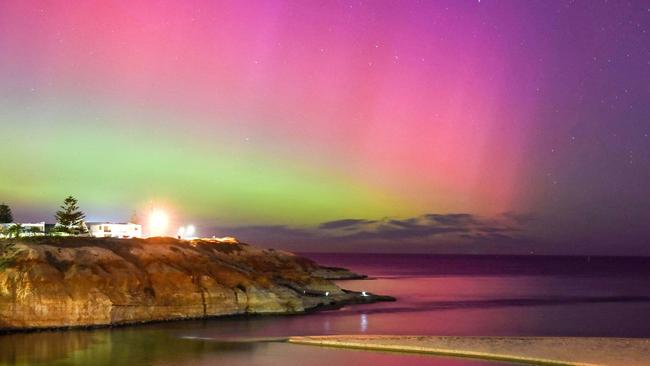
(69,218)
(5,214)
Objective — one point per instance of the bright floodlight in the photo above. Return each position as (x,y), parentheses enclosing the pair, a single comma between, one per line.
(189,232)
(158,222)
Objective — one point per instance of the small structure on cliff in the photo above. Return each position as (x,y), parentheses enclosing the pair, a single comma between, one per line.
(225,240)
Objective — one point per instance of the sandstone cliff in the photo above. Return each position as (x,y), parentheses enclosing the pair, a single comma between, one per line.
(64,282)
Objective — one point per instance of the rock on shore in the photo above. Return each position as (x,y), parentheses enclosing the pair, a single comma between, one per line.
(66,282)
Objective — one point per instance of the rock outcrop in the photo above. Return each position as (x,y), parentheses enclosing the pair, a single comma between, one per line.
(67,282)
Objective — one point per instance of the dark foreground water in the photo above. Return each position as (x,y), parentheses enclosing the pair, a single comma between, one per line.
(437,295)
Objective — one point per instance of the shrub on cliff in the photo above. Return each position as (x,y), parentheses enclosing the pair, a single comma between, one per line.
(7,253)
(14,231)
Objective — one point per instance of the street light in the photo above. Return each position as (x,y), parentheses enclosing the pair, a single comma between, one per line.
(189,232)
(158,221)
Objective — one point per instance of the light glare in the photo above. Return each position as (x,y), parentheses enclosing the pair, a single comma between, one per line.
(158,222)
(190,231)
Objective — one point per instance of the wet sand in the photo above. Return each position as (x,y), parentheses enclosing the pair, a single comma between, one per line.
(531,350)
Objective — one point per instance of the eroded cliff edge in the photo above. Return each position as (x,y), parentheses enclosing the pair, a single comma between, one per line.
(66,282)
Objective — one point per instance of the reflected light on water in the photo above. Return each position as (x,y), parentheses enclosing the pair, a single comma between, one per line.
(363,321)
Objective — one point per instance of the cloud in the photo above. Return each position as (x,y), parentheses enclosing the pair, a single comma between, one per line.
(345,223)
(432,230)
(452,219)
(452,226)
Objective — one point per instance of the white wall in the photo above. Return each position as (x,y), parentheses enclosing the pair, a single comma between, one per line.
(108,230)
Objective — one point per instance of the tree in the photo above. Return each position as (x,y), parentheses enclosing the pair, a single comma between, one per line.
(69,218)
(5,214)
(15,230)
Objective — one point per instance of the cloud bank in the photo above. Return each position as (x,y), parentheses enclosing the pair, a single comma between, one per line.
(432,232)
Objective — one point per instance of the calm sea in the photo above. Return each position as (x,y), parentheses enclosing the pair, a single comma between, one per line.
(437,295)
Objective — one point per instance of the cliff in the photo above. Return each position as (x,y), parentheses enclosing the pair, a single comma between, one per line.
(66,282)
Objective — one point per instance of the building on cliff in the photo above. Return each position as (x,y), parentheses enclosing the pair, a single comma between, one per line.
(114,230)
(95,229)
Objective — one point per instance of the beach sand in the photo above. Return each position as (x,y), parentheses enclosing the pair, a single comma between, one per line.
(531,350)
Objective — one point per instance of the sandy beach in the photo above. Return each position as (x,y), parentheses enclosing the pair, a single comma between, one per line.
(532,350)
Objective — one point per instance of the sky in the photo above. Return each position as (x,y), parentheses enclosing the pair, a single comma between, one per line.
(493,126)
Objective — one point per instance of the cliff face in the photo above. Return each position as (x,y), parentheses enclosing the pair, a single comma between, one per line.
(62,282)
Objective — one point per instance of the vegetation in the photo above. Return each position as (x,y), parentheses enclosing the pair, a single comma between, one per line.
(69,218)
(7,253)
(14,230)
(5,214)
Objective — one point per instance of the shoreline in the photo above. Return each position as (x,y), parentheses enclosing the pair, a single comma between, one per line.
(564,351)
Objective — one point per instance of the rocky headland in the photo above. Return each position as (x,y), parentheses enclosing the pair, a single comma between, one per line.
(53,282)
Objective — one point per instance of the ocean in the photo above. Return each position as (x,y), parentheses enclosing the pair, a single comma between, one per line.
(436,295)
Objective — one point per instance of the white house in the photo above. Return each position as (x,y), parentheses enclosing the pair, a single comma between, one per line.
(111,230)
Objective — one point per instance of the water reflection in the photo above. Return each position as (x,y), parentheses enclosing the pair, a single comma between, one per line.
(363,321)
(124,346)
(27,348)
(164,346)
